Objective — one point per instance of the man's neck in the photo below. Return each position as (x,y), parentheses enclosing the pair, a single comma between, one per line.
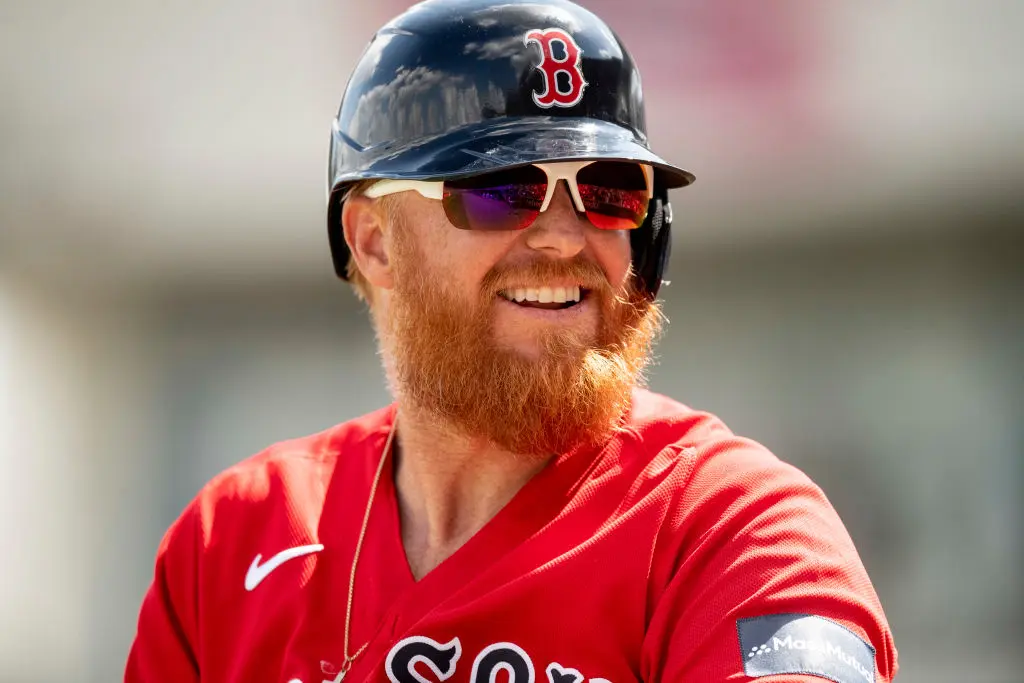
(449,487)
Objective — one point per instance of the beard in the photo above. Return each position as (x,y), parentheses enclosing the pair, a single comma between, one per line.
(445,359)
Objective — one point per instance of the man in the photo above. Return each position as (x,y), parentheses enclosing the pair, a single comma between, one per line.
(522,510)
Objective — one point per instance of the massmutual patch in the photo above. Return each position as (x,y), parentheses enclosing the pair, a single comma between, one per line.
(804,644)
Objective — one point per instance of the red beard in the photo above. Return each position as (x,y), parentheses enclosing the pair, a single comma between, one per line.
(447,362)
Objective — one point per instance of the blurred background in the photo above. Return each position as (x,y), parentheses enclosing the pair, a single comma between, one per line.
(845,286)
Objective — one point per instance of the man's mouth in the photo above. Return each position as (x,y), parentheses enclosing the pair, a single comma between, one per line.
(548,298)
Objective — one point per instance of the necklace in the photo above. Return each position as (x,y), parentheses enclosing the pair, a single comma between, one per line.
(347,664)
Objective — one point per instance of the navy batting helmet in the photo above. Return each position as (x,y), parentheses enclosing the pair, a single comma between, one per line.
(453,88)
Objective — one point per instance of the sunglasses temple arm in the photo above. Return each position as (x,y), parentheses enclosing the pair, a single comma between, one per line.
(429,189)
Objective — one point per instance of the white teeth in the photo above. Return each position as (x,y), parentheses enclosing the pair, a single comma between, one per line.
(544,295)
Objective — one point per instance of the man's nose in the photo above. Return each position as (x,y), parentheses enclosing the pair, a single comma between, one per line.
(559,231)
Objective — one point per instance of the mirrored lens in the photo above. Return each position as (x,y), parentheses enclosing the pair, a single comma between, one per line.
(614,194)
(504,200)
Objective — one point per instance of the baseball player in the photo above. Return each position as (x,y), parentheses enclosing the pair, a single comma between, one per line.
(523,512)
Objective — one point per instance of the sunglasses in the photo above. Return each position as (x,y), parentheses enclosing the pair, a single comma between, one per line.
(614,195)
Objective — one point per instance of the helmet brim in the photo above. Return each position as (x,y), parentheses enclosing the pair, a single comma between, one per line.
(505,143)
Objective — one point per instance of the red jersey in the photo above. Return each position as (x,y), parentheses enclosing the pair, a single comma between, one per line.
(676,552)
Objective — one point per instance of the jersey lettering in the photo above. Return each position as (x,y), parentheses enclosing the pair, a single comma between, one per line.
(551,67)
(508,656)
(442,658)
(559,674)
(408,652)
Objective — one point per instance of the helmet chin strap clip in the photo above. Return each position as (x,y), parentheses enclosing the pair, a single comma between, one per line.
(652,244)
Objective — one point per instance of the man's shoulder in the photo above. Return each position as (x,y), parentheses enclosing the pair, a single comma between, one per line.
(292,474)
(705,451)
(744,540)
(655,414)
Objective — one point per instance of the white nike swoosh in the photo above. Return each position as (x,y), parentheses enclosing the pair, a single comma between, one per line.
(257,572)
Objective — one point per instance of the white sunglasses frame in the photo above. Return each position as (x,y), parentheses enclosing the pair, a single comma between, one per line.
(555,171)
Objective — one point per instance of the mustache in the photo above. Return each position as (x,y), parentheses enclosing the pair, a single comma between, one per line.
(583,271)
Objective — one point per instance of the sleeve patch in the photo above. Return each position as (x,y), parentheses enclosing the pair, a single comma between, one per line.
(804,644)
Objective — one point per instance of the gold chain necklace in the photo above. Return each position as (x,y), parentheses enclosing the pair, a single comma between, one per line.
(347,664)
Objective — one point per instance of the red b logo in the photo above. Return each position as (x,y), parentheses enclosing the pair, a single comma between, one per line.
(550,66)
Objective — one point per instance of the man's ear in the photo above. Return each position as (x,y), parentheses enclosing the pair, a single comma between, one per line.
(363,221)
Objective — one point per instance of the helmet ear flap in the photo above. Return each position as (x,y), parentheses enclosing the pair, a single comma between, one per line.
(335,234)
(652,244)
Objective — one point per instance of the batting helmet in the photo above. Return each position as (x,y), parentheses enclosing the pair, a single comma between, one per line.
(452,88)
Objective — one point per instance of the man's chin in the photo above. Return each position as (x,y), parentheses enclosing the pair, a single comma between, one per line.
(552,346)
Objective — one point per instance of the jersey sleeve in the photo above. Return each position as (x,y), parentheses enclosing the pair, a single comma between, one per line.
(759,580)
(164,649)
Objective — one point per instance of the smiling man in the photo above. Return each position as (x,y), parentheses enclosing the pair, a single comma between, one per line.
(523,509)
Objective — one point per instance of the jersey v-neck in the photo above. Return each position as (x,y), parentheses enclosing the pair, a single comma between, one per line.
(386,592)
